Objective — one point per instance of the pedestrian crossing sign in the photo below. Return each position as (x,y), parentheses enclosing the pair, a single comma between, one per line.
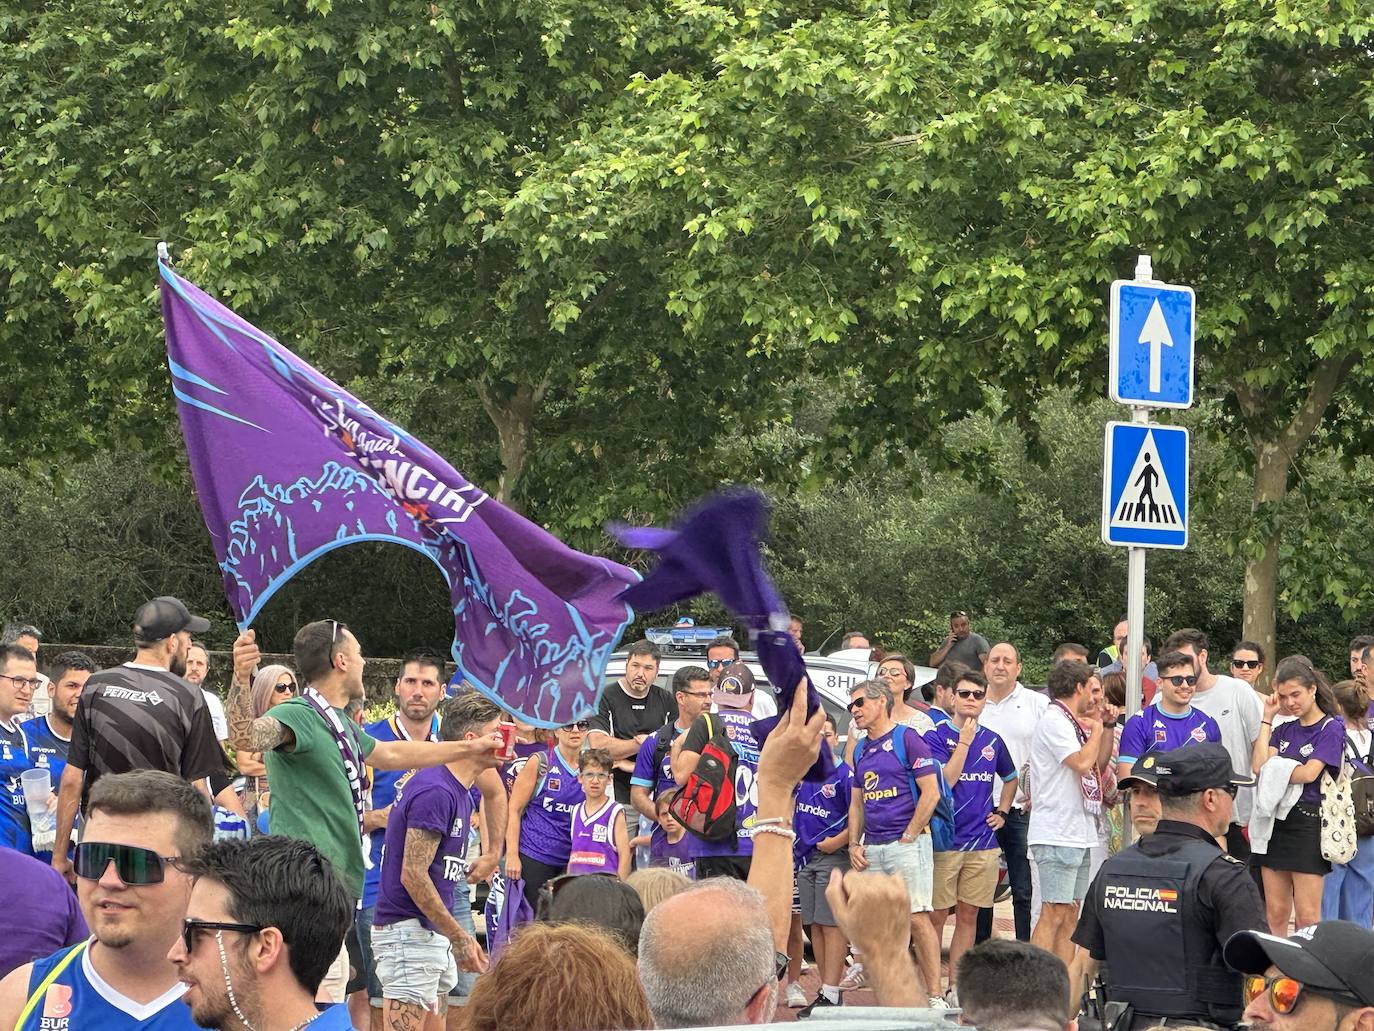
(1145,486)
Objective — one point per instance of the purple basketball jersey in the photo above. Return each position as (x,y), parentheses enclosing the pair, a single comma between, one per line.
(593,840)
(546,829)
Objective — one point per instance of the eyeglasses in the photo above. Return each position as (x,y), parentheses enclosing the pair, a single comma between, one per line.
(19,682)
(191,927)
(133,865)
(1179,679)
(578,725)
(595,775)
(287,688)
(1284,992)
(1246,664)
(971,694)
(718,663)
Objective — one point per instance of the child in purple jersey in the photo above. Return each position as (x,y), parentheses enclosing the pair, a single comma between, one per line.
(670,845)
(539,821)
(599,841)
(1293,866)
(1171,722)
(418,945)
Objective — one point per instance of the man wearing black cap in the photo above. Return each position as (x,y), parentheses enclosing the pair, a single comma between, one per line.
(1159,912)
(1317,980)
(140,716)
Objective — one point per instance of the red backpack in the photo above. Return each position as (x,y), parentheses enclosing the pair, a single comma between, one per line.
(705,805)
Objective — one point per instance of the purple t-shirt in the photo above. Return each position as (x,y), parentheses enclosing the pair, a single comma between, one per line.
(822,811)
(675,855)
(546,826)
(888,799)
(1153,729)
(432,800)
(986,767)
(41,914)
(1324,740)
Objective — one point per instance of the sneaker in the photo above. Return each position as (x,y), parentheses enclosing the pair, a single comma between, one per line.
(853,978)
(1002,893)
(795,996)
(938,1003)
(818,1002)
(952,997)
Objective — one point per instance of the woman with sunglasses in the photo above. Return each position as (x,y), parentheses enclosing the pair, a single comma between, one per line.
(1314,738)
(1247,662)
(539,824)
(272,686)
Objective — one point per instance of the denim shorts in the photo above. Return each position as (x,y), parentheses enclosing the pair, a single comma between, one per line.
(414,964)
(1063,872)
(914,862)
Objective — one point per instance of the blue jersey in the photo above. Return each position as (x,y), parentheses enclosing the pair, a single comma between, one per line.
(987,766)
(47,750)
(14,815)
(78,998)
(1154,730)
(385,785)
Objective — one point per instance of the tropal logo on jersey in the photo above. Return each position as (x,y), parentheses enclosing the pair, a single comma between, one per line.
(872,793)
(1140,899)
(142,697)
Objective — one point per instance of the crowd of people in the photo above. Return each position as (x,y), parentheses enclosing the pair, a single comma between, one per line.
(271,861)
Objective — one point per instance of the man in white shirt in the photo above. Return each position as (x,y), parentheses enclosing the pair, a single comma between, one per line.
(197,669)
(1012,712)
(1238,711)
(1070,751)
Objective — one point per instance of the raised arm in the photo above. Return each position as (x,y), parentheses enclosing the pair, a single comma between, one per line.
(1262,752)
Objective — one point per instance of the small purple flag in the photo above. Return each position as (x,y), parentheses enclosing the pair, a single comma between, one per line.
(717,546)
(288,466)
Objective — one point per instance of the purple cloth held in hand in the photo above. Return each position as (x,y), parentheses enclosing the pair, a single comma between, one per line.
(506,910)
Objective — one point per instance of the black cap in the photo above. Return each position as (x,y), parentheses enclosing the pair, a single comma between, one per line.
(163,617)
(1188,770)
(1334,957)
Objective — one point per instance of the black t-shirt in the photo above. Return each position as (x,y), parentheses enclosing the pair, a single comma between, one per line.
(622,716)
(139,718)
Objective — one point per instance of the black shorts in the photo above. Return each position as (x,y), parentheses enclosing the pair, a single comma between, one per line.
(1296,844)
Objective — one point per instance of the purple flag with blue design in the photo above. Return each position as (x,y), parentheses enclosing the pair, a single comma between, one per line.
(288,466)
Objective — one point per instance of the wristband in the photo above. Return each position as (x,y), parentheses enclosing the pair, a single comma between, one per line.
(1003,813)
(782,832)
(1266,723)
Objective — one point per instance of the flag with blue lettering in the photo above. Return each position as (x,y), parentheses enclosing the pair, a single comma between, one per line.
(288,466)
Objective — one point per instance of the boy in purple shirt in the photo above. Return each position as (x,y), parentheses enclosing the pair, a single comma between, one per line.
(1171,722)
(982,777)
(889,813)
(415,937)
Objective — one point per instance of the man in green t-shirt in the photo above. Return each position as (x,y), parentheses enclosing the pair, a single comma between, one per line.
(315,754)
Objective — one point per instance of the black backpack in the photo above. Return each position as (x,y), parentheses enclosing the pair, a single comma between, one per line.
(1362,789)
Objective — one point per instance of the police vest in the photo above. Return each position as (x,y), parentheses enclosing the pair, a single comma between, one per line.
(1162,957)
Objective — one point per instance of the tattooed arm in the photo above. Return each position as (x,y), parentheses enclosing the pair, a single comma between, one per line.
(420,849)
(249,733)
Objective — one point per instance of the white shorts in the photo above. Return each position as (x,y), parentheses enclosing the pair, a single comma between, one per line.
(915,863)
(415,965)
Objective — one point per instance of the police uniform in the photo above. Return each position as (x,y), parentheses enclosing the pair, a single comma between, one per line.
(1159,912)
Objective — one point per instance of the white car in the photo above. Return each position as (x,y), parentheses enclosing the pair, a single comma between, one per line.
(832,675)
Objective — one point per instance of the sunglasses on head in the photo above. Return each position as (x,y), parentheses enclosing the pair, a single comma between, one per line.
(191,928)
(966,693)
(133,865)
(1179,679)
(287,688)
(1246,663)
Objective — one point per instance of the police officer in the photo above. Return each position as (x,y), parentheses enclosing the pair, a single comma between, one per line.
(1158,913)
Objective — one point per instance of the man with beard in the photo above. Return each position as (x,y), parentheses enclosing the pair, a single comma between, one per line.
(139,828)
(315,754)
(141,715)
(264,918)
(50,737)
(197,669)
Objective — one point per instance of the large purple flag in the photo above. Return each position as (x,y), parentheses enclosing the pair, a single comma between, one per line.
(288,465)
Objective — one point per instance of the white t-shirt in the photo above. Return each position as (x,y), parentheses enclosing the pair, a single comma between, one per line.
(1237,708)
(1013,719)
(217,719)
(1058,813)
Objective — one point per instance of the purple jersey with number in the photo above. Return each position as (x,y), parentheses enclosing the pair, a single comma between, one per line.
(822,811)
(593,839)
(432,800)
(1324,740)
(523,751)
(738,726)
(889,801)
(675,855)
(546,827)
(1154,730)
(986,767)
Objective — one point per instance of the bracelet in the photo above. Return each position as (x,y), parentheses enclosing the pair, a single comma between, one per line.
(1001,812)
(1266,723)
(774,821)
(782,832)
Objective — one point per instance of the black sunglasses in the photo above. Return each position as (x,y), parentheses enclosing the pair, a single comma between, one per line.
(579,725)
(190,927)
(287,688)
(858,703)
(133,865)
(1178,680)
(1246,663)
(971,694)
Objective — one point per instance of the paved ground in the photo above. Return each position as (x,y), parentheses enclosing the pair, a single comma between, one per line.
(1001,926)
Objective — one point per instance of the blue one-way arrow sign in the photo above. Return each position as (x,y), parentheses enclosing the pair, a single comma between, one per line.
(1151,344)
(1145,486)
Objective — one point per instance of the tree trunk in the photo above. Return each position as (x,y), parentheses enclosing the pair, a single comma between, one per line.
(1274,457)
(513,417)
